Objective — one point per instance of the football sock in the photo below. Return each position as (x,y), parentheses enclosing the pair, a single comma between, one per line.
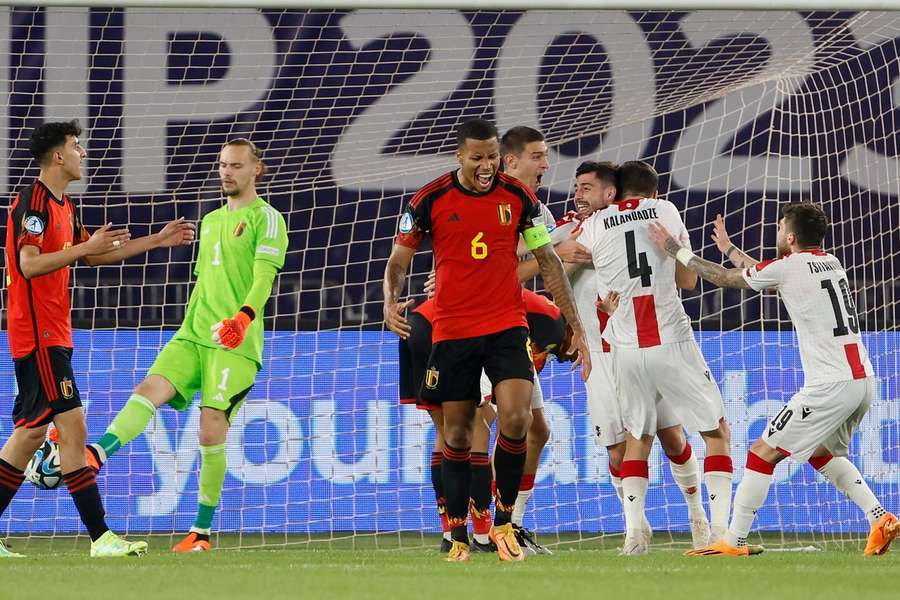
(749,497)
(844,475)
(11,479)
(480,496)
(635,481)
(686,473)
(212,477)
(82,486)
(526,488)
(437,482)
(128,424)
(456,472)
(615,479)
(718,473)
(509,460)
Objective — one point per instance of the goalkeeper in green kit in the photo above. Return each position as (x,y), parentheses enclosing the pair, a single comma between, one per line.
(217,351)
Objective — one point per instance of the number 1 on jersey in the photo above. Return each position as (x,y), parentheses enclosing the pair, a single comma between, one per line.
(217,254)
(638,266)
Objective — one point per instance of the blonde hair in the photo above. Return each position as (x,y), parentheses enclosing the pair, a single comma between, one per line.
(254,151)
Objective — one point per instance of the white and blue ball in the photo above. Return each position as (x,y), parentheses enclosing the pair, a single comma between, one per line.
(44,470)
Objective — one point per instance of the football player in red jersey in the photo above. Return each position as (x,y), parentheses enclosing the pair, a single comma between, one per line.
(474,216)
(547,336)
(44,235)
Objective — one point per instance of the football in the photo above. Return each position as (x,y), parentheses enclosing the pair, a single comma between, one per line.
(43,469)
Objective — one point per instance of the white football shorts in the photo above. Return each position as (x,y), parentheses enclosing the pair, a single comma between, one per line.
(820,415)
(652,381)
(487,393)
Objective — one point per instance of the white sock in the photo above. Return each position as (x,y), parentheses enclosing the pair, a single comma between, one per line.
(750,496)
(718,477)
(617,484)
(634,490)
(687,476)
(844,475)
(447,536)
(518,513)
(481,538)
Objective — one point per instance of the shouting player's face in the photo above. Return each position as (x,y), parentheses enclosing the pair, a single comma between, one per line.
(479,161)
(238,169)
(72,155)
(530,165)
(592,194)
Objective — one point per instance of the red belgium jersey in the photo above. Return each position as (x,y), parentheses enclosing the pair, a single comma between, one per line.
(474,237)
(38,311)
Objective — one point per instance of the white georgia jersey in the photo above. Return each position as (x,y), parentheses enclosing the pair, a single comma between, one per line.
(813,286)
(625,259)
(584,286)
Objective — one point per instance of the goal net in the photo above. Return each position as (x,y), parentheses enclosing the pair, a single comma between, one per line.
(356,109)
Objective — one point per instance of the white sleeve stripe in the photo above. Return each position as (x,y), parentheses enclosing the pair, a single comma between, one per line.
(268,222)
(268,250)
(271,222)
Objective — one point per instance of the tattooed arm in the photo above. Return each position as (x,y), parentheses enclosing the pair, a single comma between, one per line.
(716,274)
(392,287)
(557,283)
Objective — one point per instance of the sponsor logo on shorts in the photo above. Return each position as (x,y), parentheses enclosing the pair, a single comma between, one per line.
(431,378)
(67,388)
(504,213)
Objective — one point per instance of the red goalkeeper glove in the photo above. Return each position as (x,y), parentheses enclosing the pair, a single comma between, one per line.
(229,333)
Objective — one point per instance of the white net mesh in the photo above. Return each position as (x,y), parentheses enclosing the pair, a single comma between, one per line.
(738,111)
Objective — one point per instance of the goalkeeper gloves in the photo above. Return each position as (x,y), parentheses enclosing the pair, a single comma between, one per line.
(229,333)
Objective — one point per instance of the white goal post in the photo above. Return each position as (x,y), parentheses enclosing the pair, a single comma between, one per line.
(739,105)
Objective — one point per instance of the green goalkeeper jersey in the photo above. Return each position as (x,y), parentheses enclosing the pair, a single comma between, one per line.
(232,244)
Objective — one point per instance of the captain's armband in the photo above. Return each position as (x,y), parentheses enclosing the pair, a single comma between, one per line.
(536,237)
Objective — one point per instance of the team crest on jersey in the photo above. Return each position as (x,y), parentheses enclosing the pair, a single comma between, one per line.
(406,223)
(504,213)
(239,229)
(67,388)
(34,225)
(431,378)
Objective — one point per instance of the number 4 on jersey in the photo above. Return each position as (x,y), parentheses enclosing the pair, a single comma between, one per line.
(638,265)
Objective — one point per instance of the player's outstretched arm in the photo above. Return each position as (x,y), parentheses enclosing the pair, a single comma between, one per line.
(392,287)
(557,283)
(716,274)
(34,264)
(176,233)
(738,257)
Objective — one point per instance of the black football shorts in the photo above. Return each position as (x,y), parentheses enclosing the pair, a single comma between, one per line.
(454,367)
(414,353)
(46,386)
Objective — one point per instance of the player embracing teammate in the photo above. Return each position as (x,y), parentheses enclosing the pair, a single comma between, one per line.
(818,422)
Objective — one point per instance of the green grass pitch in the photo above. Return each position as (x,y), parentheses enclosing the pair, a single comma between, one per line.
(350,569)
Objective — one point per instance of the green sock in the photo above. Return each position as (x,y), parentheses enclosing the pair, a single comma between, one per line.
(128,424)
(212,477)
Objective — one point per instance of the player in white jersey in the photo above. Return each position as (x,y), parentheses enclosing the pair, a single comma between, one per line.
(595,189)
(818,422)
(658,366)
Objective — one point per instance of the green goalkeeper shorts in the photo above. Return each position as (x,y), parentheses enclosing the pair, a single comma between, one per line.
(223,378)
